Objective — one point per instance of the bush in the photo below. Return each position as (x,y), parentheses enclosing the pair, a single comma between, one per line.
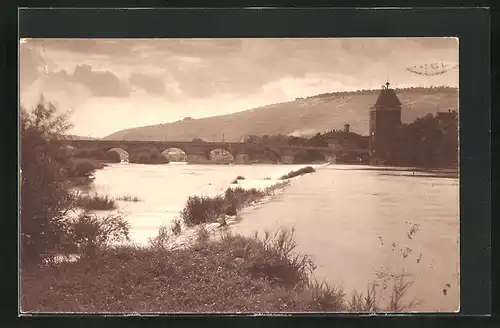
(239,197)
(292,174)
(208,209)
(92,234)
(202,209)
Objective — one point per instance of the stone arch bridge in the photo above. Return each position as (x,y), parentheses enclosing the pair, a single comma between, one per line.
(199,152)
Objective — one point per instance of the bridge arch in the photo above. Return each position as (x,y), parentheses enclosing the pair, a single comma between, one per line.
(175,154)
(221,155)
(272,154)
(124,155)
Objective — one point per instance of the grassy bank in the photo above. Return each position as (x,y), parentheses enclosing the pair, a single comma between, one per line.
(227,273)
(302,171)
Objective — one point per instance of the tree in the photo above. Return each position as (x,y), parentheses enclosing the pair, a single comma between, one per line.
(426,143)
(317,141)
(45,199)
(47,227)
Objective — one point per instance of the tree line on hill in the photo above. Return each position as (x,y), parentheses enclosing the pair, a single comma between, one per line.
(431,89)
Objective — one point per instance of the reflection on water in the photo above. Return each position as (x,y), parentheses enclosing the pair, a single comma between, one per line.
(354,220)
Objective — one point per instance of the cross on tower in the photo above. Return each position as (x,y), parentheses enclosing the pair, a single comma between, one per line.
(387,84)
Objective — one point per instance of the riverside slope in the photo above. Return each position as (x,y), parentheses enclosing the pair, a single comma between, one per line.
(302,117)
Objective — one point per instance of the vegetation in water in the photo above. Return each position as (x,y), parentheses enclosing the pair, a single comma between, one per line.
(128,198)
(95,202)
(203,209)
(302,171)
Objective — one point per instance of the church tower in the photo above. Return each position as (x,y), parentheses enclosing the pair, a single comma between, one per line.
(385,120)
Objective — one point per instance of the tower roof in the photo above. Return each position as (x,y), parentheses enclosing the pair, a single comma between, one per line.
(387,98)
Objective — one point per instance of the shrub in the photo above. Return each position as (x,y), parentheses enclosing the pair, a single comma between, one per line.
(292,174)
(239,177)
(91,234)
(202,209)
(238,197)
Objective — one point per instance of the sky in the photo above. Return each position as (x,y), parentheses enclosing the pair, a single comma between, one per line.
(108,85)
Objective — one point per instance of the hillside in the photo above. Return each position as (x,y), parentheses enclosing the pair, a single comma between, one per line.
(302,117)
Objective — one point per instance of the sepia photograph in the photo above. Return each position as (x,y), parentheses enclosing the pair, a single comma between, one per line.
(239,175)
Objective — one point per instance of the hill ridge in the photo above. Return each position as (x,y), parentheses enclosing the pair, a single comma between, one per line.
(303,116)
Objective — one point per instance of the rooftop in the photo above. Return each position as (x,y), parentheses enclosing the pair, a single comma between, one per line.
(387,98)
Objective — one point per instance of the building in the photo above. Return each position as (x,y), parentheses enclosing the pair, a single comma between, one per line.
(346,140)
(447,119)
(385,121)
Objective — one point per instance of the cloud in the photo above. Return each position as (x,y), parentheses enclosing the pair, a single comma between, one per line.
(152,84)
(100,83)
(204,68)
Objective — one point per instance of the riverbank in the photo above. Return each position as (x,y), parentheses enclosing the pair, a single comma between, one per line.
(225,273)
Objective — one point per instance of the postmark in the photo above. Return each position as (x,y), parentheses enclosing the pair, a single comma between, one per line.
(432,69)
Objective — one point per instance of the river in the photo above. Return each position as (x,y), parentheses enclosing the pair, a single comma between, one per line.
(353,220)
